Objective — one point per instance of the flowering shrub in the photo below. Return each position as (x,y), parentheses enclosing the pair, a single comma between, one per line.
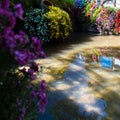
(35,24)
(59,23)
(17,51)
(117,23)
(91,17)
(105,21)
(89,8)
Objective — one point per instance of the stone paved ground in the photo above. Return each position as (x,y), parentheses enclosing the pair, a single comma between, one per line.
(103,84)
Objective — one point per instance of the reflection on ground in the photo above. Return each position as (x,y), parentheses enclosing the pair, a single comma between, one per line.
(102,85)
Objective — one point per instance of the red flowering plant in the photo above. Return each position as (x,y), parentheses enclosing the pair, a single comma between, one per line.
(17,68)
(117,23)
(105,21)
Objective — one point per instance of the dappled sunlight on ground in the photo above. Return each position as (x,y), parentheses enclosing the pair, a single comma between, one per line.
(102,83)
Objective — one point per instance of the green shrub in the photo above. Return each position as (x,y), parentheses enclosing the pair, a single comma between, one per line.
(59,23)
(36,25)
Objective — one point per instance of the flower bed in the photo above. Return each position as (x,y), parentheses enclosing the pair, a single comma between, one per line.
(101,19)
(48,24)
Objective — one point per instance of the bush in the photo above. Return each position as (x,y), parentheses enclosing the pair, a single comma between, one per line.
(117,23)
(106,20)
(36,25)
(59,23)
(96,19)
(17,68)
(88,7)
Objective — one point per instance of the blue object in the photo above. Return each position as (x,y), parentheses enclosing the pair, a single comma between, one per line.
(80,3)
(106,62)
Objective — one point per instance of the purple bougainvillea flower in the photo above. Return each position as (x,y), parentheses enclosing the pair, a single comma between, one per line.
(33,93)
(19,11)
(32,77)
(31,73)
(7,31)
(7,20)
(22,115)
(32,55)
(24,70)
(40,96)
(42,103)
(36,44)
(12,19)
(2,11)
(5,4)
(10,42)
(34,66)
(22,57)
(24,51)
(42,54)
(21,38)
(43,85)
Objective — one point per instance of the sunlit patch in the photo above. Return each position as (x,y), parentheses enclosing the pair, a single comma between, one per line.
(75,87)
(92,89)
(61,85)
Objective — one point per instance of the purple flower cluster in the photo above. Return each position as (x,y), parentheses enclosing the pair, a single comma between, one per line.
(23,51)
(23,112)
(105,24)
(33,67)
(7,17)
(21,109)
(36,96)
(40,95)
(19,11)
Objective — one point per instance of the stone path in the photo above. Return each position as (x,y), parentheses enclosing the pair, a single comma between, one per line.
(74,86)
(85,89)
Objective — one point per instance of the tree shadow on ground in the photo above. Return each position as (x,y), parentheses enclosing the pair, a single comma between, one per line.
(108,90)
(57,46)
(60,107)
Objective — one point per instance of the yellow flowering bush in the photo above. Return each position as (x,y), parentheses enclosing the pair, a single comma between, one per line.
(60,25)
